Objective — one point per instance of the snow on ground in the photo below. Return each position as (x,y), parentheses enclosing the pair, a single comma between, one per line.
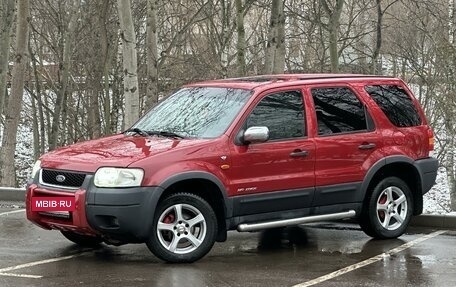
(24,153)
(437,200)
(24,149)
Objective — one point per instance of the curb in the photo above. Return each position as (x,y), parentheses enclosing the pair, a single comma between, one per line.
(428,220)
(12,194)
(434,220)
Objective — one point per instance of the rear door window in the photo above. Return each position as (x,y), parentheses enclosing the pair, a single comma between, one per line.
(338,111)
(397,105)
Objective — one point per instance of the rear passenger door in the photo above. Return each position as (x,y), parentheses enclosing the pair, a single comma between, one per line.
(345,139)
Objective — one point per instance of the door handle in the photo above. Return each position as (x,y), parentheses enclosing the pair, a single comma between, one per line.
(365,146)
(299,153)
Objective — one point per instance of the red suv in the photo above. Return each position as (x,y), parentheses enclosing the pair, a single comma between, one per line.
(247,154)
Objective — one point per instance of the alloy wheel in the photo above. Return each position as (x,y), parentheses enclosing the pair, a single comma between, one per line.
(392,208)
(181,228)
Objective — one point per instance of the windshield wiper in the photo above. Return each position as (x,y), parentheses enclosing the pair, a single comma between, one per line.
(166,134)
(137,131)
(154,133)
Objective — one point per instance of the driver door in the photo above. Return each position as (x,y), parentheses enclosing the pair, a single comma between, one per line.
(277,174)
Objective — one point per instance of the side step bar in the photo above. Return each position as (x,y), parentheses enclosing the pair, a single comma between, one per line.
(295,221)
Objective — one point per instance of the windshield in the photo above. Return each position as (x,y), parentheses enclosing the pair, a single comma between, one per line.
(200,112)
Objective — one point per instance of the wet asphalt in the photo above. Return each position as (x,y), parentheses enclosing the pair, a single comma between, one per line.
(284,257)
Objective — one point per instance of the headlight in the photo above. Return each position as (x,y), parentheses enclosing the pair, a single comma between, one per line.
(36,168)
(118,177)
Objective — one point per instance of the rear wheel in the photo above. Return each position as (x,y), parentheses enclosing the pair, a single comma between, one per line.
(82,240)
(388,210)
(184,229)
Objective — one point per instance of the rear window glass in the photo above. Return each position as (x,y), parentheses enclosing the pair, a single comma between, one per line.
(396,104)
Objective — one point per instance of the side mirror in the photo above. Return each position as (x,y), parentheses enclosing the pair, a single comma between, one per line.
(256,135)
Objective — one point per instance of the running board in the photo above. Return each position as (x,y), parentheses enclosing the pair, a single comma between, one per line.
(295,221)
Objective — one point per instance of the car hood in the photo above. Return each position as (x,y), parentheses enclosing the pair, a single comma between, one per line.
(116,151)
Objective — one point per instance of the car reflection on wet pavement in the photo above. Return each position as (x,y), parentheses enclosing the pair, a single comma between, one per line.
(30,256)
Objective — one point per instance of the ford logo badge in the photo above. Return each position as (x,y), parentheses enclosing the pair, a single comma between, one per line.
(60,178)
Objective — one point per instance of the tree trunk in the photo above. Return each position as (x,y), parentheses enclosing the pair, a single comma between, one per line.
(360,45)
(333,29)
(378,39)
(65,71)
(106,50)
(100,74)
(36,134)
(225,37)
(96,90)
(241,44)
(271,45)
(394,66)
(13,107)
(40,105)
(152,54)
(6,23)
(452,178)
(95,124)
(451,22)
(38,131)
(130,70)
(451,162)
(279,55)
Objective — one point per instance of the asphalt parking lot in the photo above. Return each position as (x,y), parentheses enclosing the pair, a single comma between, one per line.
(327,254)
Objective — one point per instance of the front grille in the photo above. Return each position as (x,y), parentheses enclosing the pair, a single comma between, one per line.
(62,178)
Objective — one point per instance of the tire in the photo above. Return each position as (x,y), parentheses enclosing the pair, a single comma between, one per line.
(184,229)
(82,240)
(388,209)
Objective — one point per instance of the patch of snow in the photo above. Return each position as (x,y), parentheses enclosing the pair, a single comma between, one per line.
(437,200)
(24,149)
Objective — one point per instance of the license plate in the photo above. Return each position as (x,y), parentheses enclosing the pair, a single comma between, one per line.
(56,203)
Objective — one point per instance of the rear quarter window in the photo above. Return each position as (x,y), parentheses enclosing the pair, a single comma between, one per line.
(397,105)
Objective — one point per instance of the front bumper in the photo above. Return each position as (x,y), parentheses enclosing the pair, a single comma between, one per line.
(77,221)
(120,214)
(124,214)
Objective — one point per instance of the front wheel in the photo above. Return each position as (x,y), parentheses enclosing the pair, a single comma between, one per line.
(184,229)
(388,210)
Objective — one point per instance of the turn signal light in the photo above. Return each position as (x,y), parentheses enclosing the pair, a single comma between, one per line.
(431,140)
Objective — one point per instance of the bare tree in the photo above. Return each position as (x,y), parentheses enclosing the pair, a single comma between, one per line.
(275,52)
(152,54)
(333,27)
(378,39)
(38,115)
(13,107)
(106,54)
(241,44)
(130,69)
(68,45)
(6,23)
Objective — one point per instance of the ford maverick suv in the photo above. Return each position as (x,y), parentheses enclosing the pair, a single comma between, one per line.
(243,154)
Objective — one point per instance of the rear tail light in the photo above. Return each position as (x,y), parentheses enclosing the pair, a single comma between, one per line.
(431,140)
